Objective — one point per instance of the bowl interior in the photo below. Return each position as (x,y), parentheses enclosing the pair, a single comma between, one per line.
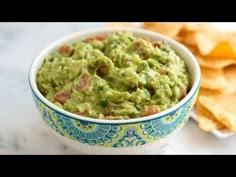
(182,51)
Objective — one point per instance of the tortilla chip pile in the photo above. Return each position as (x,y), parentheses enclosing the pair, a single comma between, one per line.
(216,54)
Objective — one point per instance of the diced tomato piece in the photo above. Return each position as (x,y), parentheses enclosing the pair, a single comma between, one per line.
(157,45)
(149,110)
(100,38)
(65,50)
(103,69)
(84,83)
(89,39)
(62,97)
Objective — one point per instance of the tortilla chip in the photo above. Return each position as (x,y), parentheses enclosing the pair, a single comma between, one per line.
(169,29)
(206,41)
(206,92)
(189,38)
(213,79)
(231,38)
(222,106)
(193,49)
(209,41)
(223,49)
(230,75)
(189,31)
(206,121)
(214,63)
(221,45)
(197,27)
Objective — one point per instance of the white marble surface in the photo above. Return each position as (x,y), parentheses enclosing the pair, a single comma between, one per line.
(20,130)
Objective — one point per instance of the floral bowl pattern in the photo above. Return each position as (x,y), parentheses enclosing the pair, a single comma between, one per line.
(116,134)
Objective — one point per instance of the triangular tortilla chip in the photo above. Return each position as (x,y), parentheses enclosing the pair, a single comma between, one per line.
(210,43)
(223,49)
(206,42)
(206,120)
(226,45)
(222,106)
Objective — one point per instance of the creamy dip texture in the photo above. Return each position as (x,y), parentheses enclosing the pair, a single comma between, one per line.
(117,76)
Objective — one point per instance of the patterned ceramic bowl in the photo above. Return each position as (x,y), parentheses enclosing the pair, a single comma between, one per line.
(135,136)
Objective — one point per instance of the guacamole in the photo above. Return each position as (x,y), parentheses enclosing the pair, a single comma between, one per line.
(117,76)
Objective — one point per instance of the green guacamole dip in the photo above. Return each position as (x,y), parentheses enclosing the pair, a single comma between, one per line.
(118,76)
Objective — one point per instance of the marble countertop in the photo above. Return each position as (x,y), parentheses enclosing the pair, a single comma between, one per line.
(21,132)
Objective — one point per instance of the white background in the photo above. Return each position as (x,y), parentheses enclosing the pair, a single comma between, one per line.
(20,129)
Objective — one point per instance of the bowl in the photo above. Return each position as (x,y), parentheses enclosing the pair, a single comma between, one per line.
(134,136)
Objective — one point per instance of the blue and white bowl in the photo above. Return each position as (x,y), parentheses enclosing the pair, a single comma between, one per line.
(134,136)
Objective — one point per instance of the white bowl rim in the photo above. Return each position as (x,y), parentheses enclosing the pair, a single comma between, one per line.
(171,42)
